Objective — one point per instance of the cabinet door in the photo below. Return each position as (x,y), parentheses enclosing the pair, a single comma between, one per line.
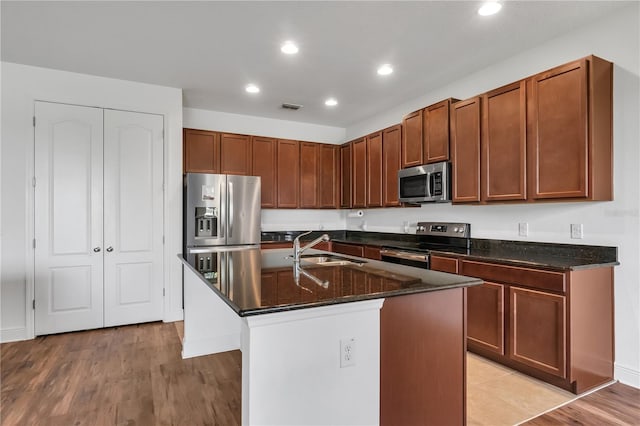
(412,139)
(328,176)
(235,154)
(345,176)
(485,317)
(435,129)
(504,143)
(201,150)
(264,160)
(391,157)
(558,132)
(359,172)
(537,332)
(374,170)
(288,173)
(309,153)
(465,150)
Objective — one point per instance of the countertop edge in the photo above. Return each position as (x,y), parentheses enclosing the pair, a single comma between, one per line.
(465,282)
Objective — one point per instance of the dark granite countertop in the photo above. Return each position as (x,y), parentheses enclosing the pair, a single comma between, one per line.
(560,257)
(256,281)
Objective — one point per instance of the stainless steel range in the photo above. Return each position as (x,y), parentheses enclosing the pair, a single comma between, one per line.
(441,236)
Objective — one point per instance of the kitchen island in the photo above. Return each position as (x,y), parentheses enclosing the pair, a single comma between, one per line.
(335,340)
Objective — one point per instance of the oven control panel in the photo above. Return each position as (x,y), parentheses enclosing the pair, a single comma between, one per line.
(445,229)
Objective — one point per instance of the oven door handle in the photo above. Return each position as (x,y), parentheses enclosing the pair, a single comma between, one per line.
(418,257)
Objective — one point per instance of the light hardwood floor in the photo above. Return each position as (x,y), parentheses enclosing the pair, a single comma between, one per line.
(135,375)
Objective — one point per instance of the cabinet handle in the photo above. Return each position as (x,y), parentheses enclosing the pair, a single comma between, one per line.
(109,249)
(96,249)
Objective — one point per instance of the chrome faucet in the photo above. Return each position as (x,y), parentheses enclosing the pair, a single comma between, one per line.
(297,250)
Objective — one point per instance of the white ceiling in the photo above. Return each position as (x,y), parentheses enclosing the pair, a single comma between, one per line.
(213,49)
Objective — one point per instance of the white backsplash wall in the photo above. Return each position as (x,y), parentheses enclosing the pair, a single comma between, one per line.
(617,223)
(303,220)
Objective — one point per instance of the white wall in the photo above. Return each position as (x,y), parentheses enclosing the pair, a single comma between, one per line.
(615,38)
(261,126)
(21,86)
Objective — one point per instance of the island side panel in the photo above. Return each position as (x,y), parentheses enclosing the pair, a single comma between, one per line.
(423,359)
(291,373)
(210,325)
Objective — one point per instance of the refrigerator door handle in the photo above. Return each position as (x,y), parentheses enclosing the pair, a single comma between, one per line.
(223,214)
(230,209)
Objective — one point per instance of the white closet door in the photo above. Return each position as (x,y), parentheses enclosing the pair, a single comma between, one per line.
(68,218)
(133,198)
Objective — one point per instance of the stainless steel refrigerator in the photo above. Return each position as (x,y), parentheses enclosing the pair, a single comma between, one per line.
(221,210)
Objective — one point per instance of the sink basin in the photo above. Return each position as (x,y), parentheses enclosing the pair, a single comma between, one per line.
(327,260)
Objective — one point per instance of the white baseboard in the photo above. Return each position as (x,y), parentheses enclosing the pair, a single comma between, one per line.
(13,334)
(193,348)
(175,315)
(627,375)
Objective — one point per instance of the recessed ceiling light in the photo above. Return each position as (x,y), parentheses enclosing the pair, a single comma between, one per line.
(331,102)
(289,48)
(385,69)
(252,88)
(489,8)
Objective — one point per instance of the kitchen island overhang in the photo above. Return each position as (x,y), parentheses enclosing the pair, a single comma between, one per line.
(404,326)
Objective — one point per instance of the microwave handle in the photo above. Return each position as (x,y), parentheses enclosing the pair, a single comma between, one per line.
(430,183)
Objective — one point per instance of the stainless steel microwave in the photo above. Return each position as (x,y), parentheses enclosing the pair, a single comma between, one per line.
(426,183)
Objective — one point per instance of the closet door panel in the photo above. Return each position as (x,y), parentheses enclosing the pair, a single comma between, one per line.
(133,217)
(68,218)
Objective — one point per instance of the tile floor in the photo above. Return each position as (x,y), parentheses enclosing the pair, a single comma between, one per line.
(497,395)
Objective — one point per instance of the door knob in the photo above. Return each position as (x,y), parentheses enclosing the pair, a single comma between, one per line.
(96,249)
(109,249)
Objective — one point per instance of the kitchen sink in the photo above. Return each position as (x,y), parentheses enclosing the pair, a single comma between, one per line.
(328,260)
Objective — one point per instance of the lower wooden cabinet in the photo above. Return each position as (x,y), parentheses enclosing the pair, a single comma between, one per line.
(350,249)
(485,317)
(537,330)
(443,264)
(556,326)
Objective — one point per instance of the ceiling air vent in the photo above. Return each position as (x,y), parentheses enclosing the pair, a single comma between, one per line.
(294,107)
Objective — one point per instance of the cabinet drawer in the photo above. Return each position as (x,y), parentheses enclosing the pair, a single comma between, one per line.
(350,249)
(536,278)
(276,245)
(444,264)
(371,252)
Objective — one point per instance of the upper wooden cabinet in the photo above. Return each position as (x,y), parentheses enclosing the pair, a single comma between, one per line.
(288,176)
(374,170)
(235,154)
(359,172)
(504,143)
(435,132)
(465,150)
(309,168)
(412,139)
(201,151)
(391,158)
(328,176)
(345,176)
(569,130)
(264,164)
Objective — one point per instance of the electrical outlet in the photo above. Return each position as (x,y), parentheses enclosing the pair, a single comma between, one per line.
(347,352)
(577,231)
(523,229)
